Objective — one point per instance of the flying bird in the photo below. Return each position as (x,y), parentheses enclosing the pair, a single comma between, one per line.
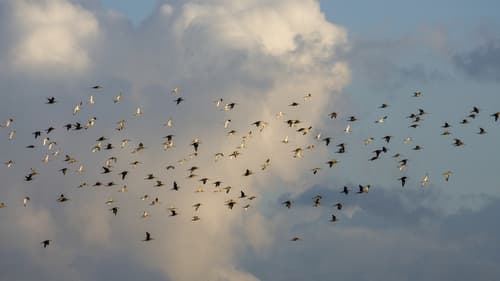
(364,188)
(195,143)
(9,163)
(287,204)
(173,211)
(25,201)
(402,164)
(381,120)
(297,153)
(138,112)
(8,122)
(425,181)
(345,190)
(332,162)
(266,164)
(368,140)
(148,237)
(51,100)
(317,200)
(327,140)
(447,175)
(229,106)
(117,98)
(230,204)
(333,218)
(496,115)
(123,174)
(457,142)
(403,180)
(46,243)
(77,108)
(62,198)
(178,100)
(347,129)
(218,102)
(387,138)
(196,206)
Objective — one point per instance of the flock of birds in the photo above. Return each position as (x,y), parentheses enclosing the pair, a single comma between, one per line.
(52,150)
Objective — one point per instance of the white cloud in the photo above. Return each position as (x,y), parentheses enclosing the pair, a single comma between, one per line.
(259,54)
(275,28)
(52,34)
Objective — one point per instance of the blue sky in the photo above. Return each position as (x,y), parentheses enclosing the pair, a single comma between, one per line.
(351,56)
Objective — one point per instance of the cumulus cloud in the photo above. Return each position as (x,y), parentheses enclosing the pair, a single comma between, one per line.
(52,34)
(261,55)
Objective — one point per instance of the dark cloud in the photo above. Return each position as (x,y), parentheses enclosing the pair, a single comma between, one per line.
(392,64)
(391,205)
(395,236)
(482,63)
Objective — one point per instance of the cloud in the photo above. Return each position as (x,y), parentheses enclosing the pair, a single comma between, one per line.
(386,239)
(262,55)
(393,63)
(51,34)
(482,62)
(258,54)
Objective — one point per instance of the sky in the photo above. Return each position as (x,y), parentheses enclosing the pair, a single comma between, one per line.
(350,56)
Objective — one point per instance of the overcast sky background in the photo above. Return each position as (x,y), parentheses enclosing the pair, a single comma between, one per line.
(263,55)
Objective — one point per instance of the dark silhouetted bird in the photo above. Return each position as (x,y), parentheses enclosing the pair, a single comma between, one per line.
(148,237)
(287,203)
(403,180)
(46,243)
(496,115)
